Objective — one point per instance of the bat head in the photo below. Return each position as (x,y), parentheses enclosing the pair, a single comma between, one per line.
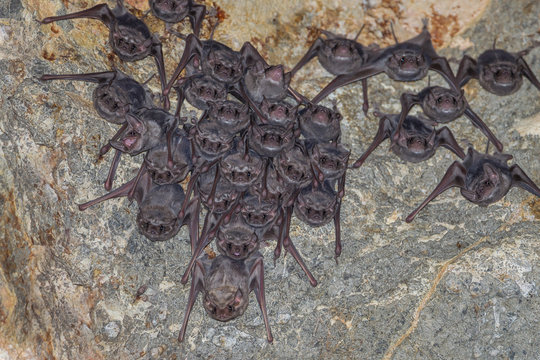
(330,158)
(156,161)
(202,89)
(319,123)
(237,240)
(210,140)
(407,63)
(111,102)
(225,194)
(270,140)
(443,105)
(415,141)
(171,11)
(257,211)
(486,182)
(158,219)
(222,63)
(279,112)
(293,167)
(145,130)
(499,72)
(316,207)
(226,302)
(241,168)
(270,82)
(233,116)
(130,39)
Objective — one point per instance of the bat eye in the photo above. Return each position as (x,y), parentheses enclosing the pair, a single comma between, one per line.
(230,308)
(214,310)
(249,174)
(229,246)
(161,228)
(402,60)
(245,248)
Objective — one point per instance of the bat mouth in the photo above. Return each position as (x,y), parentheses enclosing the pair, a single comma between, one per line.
(242,178)
(272,140)
(275,74)
(280,112)
(329,164)
(224,73)
(130,141)
(207,93)
(229,114)
(447,104)
(127,46)
(163,177)
(416,144)
(109,104)
(500,79)
(211,147)
(158,231)
(294,174)
(321,117)
(258,220)
(315,217)
(342,52)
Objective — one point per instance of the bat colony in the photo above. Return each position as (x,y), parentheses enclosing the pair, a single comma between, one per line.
(262,152)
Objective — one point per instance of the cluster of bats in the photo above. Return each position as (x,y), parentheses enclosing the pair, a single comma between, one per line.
(255,160)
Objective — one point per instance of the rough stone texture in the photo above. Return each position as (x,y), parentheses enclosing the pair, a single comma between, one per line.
(453,285)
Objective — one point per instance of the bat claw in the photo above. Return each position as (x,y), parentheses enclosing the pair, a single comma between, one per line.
(184,279)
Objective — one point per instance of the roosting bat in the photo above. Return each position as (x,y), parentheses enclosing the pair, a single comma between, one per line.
(226,284)
(115,94)
(129,36)
(406,61)
(498,71)
(482,178)
(416,140)
(159,205)
(443,105)
(339,56)
(173,11)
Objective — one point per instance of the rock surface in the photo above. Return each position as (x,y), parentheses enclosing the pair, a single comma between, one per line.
(459,282)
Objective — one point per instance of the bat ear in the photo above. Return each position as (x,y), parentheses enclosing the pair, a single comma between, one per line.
(287,77)
(316,150)
(135,123)
(258,129)
(491,172)
(238,297)
(519,178)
